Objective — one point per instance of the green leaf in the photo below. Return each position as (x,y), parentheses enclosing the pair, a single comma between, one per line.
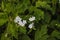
(3,18)
(3,37)
(21,8)
(56,34)
(43,5)
(44,37)
(39,34)
(55,23)
(22,29)
(51,38)
(12,29)
(25,37)
(32,8)
(8,7)
(2,21)
(47,17)
(2,5)
(39,14)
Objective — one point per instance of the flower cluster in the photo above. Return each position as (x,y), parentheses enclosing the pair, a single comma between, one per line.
(22,23)
(19,21)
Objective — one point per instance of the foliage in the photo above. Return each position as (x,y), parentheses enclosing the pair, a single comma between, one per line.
(46,23)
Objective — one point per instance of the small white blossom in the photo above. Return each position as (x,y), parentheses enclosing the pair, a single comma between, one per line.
(24,22)
(32,18)
(21,23)
(31,25)
(17,19)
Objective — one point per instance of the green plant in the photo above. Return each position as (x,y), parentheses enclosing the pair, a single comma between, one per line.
(39,20)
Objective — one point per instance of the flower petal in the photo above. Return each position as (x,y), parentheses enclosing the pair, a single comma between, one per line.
(32,18)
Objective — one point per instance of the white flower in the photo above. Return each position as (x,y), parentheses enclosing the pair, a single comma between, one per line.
(17,19)
(24,22)
(32,18)
(31,25)
(20,23)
